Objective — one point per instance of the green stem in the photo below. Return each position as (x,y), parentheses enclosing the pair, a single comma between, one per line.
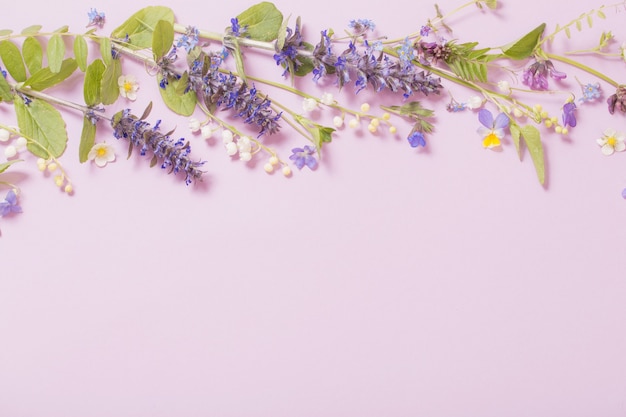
(583,67)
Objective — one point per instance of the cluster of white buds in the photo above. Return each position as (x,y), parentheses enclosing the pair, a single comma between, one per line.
(16,146)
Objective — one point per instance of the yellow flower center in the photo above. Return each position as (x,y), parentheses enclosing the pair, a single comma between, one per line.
(101,152)
(491,140)
(128,86)
(611,141)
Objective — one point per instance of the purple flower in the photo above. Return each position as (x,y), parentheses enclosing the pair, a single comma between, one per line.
(416,138)
(618,100)
(569,118)
(235,28)
(189,39)
(536,75)
(425,30)
(95,18)
(304,156)
(9,205)
(361,26)
(492,131)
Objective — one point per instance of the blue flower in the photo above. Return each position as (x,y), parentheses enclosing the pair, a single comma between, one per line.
(361,26)
(569,118)
(406,53)
(9,205)
(590,92)
(416,138)
(95,18)
(304,156)
(235,28)
(189,39)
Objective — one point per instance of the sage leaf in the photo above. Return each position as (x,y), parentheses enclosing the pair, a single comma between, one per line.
(532,138)
(43,124)
(5,165)
(87,140)
(56,52)
(109,90)
(31,30)
(12,59)
(44,78)
(162,39)
(93,81)
(184,104)
(262,21)
(81,51)
(33,54)
(139,26)
(525,46)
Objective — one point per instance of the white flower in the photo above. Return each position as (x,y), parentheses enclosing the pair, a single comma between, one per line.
(338,121)
(327,99)
(206,131)
(4,135)
(194,125)
(309,104)
(10,151)
(101,154)
(231,148)
(244,144)
(245,156)
(227,136)
(20,143)
(128,86)
(504,87)
(612,141)
(474,102)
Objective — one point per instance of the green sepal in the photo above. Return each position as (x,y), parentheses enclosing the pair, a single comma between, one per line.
(81,51)
(44,78)
(43,124)
(5,165)
(31,30)
(109,89)
(262,21)
(184,104)
(33,54)
(524,47)
(139,26)
(87,140)
(12,59)
(93,81)
(56,52)
(162,39)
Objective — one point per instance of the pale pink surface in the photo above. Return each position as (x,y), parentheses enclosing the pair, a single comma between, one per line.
(443,282)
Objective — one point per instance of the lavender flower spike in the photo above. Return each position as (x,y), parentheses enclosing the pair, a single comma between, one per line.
(173,154)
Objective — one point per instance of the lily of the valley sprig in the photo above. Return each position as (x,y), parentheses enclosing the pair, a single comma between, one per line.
(202,74)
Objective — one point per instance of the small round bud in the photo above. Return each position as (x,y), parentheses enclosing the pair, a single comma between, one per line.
(353,123)
(554,120)
(517,113)
(564,131)
(475,102)
(286,171)
(365,107)
(372,128)
(338,121)
(227,136)
(206,132)
(538,107)
(231,148)
(52,166)
(558,129)
(68,189)
(544,114)
(269,168)
(58,180)
(274,160)
(10,151)
(4,135)
(194,124)
(548,123)
(245,156)
(21,143)
(392,130)
(309,104)
(386,116)
(375,122)
(327,99)
(244,144)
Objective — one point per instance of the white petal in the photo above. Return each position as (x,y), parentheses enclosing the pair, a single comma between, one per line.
(607,150)
(620,146)
(601,141)
(609,132)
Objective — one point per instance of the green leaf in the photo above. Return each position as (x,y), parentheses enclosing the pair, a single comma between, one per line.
(568,33)
(31,30)
(282,34)
(589,20)
(109,90)
(12,59)
(321,135)
(236,52)
(105,51)
(93,81)
(87,140)
(532,138)
(579,25)
(492,4)
(263,21)
(412,109)
(5,32)
(601,14)
(5,165)
(44,78)
(162,39)
(516,133)
(43,124)
(5,90)
(524,47)
(62,29)
(139,26)
(33,54)
(81,51)
(56,52)
(182,104)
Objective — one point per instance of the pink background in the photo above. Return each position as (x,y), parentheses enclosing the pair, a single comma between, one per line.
(390,282)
